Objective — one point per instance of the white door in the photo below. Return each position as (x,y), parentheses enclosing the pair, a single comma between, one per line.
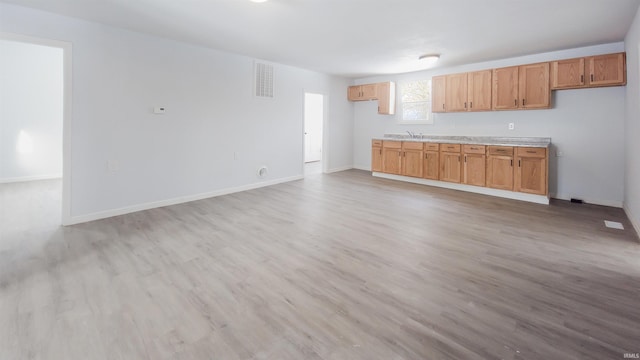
(313,119)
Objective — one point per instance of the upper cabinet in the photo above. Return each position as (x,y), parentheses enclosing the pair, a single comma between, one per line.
(567,74)
(534,90)
(521,87)
(385,93)
(363,92)
(461,92)
(386,98)
(438,93)
(593,71)
(505,88)
(607,70)
(456,92)
(479,90)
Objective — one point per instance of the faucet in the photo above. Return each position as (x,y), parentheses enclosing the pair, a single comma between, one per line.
(410,134)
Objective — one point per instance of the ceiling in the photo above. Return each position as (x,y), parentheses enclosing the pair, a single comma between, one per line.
(357,38)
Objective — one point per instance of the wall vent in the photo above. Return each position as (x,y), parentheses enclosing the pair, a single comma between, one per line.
(264,80)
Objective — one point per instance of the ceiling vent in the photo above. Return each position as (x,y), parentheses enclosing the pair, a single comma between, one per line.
(264,80)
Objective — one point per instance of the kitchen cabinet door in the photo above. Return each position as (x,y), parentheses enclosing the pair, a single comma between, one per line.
(479,90)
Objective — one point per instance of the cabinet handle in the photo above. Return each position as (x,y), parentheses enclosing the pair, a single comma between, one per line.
(380,151)
(581,79)
(426,156)
(470,104)
(443,106)
(522,102)
(591,77)
(519,163)
(515,102)
(531,152)
(465,158)
(511,162)
(465,104)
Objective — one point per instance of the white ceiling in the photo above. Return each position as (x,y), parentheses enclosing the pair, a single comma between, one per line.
(365,37)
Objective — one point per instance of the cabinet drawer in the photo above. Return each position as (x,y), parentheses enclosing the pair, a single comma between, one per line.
(392,144)
(376,143)
(531,152)
(474,149)
(412,145)
(500,150)
(450,147)
(431,147)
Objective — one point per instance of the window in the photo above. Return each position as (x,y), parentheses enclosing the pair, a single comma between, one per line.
(415,102)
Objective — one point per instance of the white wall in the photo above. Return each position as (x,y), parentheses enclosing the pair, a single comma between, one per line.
(632,124)
(31,105)
(586,124)
(119,76)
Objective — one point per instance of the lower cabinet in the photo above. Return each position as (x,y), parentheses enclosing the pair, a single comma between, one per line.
(431,167)
(500,167)
(531,170)
(522,169)
(450,163)
(376,155)
(392,157)
(474,165)
(412,158)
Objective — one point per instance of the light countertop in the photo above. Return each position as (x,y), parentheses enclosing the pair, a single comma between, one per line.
(543,142)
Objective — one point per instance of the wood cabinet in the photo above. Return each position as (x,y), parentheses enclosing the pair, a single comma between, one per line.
(474,165)
(500,167)
(534,90)
(412,153)
(363,92)
(531,170)
(593,71)
(456,92)
(520,169)
(386,98)
(607,70)
(505,88)
(521,87)
(450,163)
(392,157)
(567,74)
(431,166)
(385,93)
(479,90)
(438,93)
(376,155)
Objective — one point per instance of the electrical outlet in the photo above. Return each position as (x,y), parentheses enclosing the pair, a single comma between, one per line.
(559,153)
(512,126)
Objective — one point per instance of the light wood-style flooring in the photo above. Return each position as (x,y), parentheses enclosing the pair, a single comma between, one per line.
(338,266)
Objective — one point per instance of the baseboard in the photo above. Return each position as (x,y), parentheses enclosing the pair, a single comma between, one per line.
(338,169)
(365,168)
(632,219)
(538,199)
(30,178)
(610,203)
(174,201)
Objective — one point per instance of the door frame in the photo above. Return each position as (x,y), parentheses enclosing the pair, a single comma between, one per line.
(325,107)
(66,111)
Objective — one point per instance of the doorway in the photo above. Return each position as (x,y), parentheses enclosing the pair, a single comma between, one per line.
(313,133)
(35,108)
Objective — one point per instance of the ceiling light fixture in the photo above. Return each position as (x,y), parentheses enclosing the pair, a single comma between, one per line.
(429,58)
